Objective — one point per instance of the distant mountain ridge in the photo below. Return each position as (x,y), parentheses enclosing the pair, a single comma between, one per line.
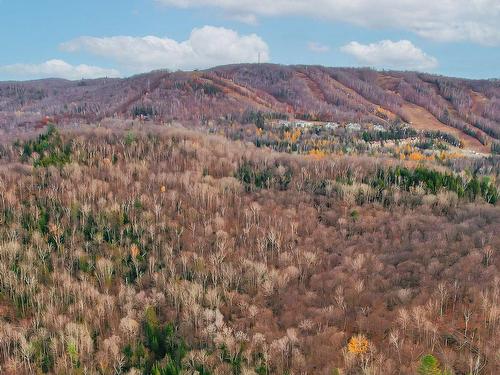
(469,108)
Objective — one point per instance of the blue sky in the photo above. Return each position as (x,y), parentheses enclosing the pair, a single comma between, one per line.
(86,39)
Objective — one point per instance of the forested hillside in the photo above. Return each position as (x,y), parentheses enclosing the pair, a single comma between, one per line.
(468,109)
(154,249)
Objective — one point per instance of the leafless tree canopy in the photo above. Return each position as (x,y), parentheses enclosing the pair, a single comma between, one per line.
(161,250)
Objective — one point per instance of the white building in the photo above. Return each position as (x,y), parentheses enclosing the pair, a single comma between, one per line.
(331,125)
(379,128)
(353,126)
(284,123)
(303,124)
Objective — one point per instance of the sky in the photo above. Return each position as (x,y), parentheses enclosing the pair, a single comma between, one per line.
(118,38)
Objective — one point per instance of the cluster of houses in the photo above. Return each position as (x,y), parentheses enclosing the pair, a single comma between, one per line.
(307,124)
(352,126)
(296,124)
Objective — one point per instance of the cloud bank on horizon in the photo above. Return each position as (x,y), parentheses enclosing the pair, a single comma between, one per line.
(57,69)
(447,21)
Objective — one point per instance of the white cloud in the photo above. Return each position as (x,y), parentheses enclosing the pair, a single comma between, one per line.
(394,55)
(318,47)
(56,69)
(207,46)
(249,19)
(442,20)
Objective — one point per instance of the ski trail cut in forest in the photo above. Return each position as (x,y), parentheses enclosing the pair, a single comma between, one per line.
(422,119)
(240,92)
(312,85)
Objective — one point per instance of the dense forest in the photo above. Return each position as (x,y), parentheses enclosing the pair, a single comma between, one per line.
(140,248)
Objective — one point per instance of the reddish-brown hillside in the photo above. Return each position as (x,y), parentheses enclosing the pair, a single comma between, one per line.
(469,109)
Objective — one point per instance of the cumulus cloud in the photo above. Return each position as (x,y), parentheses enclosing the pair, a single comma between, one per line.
(56,69)
(318,47)
(443,20)
(207,46)
(394,55)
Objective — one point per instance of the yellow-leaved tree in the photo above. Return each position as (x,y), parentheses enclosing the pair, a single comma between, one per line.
(358,345)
